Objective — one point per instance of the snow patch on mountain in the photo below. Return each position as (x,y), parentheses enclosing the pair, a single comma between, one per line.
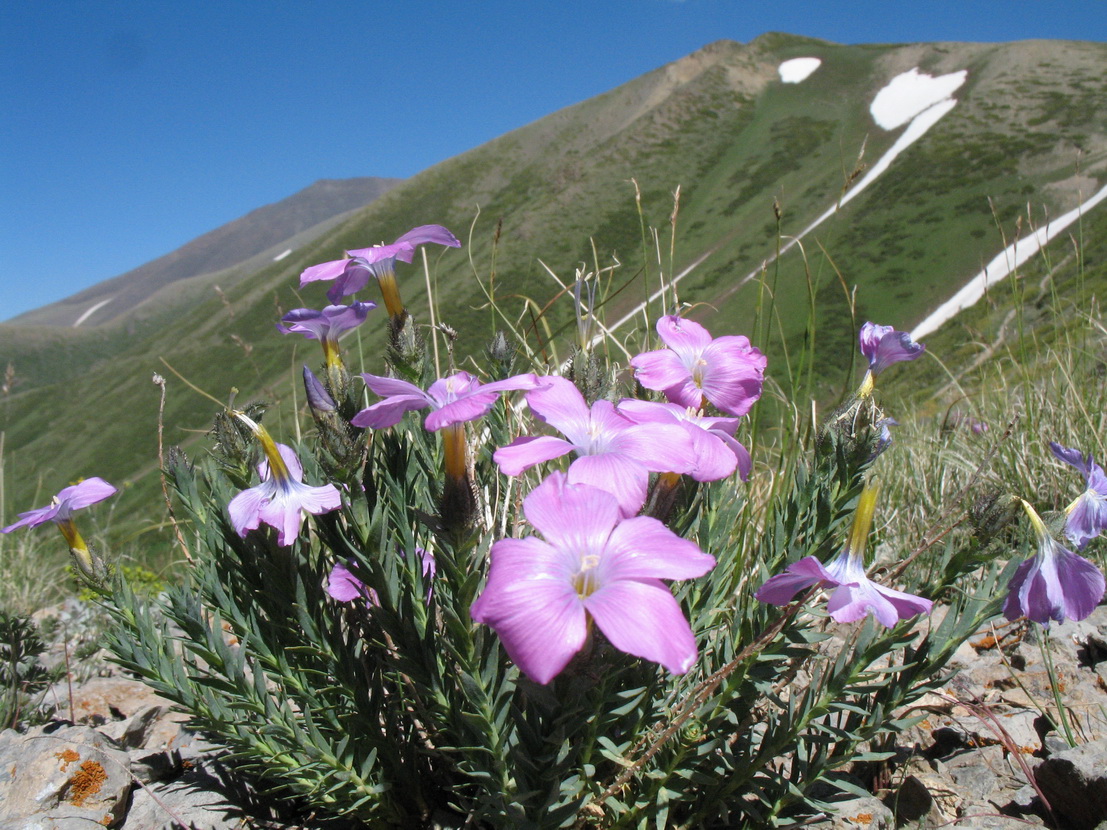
(1001,265)
(92,311)
(911,93)
(798,69)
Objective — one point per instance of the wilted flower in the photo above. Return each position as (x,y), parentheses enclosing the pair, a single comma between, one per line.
(377,262)
(882,346)
(282,499)
(326,326)
(1087,515)
(726,371)
(613,452)
(854,595)
(74,497)
(1053,584)
(543,594)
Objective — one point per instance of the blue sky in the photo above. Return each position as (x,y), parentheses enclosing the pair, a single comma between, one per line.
(129,128)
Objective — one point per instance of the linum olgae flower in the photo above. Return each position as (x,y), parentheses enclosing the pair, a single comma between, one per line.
(453,401)
(717,452)
(344,586)
(854,595)
(281,499)
(1086,517)
(694,369)
(59,510)
(326,326)
(613,452)
(590,566)
(378,262)
(882,346)
(1053,584)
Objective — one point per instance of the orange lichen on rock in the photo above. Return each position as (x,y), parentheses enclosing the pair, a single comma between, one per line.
(67,757)
(87,781)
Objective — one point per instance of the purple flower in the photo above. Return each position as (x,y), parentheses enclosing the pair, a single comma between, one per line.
(318,398)
(854,595)
(351,275)
(726,371)
(1053,584)
(326,326)
(717,451)
(454,399)
(343,586)
(883,345)
(282,499)
(543,594)
(430,568)
(74,497)
(613,452)
(1087,515)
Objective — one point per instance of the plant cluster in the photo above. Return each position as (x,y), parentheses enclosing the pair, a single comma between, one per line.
(555,599)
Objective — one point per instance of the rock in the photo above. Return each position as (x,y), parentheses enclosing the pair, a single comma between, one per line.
(54,774)
(105,699)
(133,732)
(193,800)
(1075,784)
(860,814)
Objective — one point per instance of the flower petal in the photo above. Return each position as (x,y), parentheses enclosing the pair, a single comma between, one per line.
(782,588)
(643,619)
(660,369)
(1082,584)
(388,412)
(526,451)
(619,475)
(540,621)
(643,548)
(343,585)
(685,337)
(573,517)
(561,405)
(245,509)
(324,271)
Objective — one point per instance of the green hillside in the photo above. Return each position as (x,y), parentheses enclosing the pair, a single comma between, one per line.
(719,124)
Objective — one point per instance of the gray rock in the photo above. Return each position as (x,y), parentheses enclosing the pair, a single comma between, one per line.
(71,773)
(193,800)
(860,814)
(1075,783)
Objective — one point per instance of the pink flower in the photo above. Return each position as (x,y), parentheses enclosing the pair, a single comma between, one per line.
(454,399)
(717,452)
(591,566)
(343,586)
(854,595)
(281,499)
(613,452)
(352,275)
(726,371)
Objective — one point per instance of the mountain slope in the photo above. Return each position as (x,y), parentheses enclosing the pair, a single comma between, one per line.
(722,126)
(244,243)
